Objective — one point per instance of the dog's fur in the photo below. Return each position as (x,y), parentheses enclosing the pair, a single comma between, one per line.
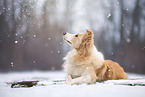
(85,64)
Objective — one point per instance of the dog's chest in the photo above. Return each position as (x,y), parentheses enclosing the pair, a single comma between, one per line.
(75,70)
(71,66)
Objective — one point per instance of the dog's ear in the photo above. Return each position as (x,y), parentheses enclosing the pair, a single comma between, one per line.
(87,42)
(88,37)
(89,33)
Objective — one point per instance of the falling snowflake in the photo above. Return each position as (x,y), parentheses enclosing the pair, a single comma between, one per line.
(48,38)
(9,8)
(123,25)
(16,41)
(117,2)
(128,40)
(34,35)
(60,43)
(58,51)
(34,62)
(109,15)
(127,9)
(12,64)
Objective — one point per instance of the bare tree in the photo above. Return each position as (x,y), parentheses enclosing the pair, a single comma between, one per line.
(122,21)
(135,29)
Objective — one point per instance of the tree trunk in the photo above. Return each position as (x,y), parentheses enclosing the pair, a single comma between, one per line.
(135,30)
(121,22)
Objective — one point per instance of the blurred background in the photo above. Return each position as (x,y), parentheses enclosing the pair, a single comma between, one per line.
(31,32)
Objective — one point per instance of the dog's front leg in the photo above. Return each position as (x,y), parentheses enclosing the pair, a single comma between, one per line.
(68,79)
(82,79)
(79,80)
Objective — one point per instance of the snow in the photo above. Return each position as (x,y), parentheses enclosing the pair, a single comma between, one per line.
(109,15)
(12,64)
(34,62)
(58,51)
(16,41)
(128,40)
(34,36)
(118,3)
(106,89)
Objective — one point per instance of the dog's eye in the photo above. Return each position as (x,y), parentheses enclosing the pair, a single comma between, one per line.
(76,35)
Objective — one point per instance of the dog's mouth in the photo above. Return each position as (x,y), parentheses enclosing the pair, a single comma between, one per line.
(67,41)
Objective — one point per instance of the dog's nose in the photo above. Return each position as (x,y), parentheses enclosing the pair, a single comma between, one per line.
(64,33)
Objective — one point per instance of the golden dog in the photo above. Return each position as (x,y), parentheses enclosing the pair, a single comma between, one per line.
(85,64)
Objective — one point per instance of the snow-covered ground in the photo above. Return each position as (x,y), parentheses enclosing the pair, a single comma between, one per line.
(104,89)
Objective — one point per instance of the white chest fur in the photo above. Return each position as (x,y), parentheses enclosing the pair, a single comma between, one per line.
(77,70)
(69,65)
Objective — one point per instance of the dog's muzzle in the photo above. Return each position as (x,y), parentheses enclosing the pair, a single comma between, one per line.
(67,41)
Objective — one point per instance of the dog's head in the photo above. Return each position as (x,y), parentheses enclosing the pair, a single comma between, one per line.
(82,42)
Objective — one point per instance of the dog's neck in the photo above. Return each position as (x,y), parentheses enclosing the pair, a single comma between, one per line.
(92,51)
(85,51)
(78,56)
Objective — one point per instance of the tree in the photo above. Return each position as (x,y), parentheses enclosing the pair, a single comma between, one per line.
(135,29)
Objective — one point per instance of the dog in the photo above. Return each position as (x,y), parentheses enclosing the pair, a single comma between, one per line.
(85,64)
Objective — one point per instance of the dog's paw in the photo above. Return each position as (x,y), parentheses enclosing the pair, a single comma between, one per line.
(68,79)
(99,79)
